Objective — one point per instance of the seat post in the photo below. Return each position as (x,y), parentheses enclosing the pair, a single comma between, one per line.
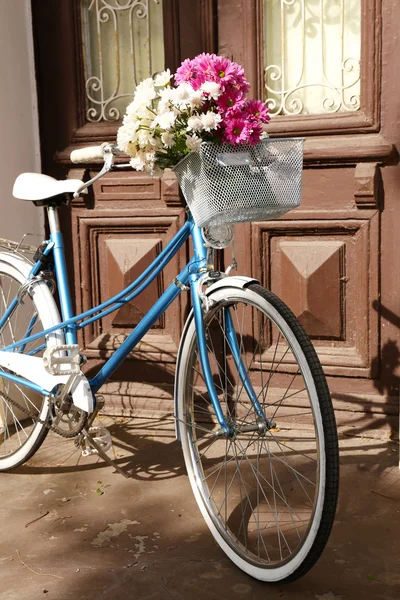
(54,222)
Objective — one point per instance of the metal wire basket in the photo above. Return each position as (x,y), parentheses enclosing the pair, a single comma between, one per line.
(229,184)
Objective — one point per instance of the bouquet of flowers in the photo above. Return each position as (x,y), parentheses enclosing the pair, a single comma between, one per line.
(164,122)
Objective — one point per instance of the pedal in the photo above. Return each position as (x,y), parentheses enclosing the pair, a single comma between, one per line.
(102,438)
(62,360)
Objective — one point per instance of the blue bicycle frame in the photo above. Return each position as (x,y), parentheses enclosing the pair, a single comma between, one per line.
(189,277)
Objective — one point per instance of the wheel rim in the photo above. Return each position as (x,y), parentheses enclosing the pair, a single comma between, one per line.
(22,411)
(260,490)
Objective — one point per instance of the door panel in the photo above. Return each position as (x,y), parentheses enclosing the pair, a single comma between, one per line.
(321,270)
(114,250)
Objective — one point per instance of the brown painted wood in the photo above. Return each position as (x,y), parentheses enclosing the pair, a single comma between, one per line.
(368,185)
(323,271)
(333,259)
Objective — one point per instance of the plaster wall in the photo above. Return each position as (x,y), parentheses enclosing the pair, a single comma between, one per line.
(19,131)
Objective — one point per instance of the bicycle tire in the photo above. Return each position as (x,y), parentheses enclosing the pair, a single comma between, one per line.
(24,414)
(244,490)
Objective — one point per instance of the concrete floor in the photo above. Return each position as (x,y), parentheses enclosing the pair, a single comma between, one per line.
(73,529)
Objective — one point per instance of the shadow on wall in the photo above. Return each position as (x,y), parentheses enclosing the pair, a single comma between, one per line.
(386,416)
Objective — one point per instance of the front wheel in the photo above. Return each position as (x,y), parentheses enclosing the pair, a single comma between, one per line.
(268,488)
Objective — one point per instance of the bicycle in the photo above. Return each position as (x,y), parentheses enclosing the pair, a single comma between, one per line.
(252,407)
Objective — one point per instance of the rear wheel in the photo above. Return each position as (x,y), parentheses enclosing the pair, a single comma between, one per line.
(268,489)
(24,414)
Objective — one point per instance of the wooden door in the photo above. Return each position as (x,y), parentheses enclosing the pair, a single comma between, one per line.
(333,260)
(129,217)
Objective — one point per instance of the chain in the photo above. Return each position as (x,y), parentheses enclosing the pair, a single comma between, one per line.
(21,408)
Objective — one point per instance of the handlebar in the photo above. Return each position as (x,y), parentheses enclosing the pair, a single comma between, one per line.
(88,154)
(92,153)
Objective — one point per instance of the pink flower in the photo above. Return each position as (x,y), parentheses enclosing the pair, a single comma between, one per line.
(234,76)
(231,101)
(255,135)
(219,65)
(203,61)
(188,72)
(184,72)
(238,131)
(210,67)
(257,111)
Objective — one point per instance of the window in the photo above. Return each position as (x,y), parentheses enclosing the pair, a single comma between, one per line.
(123,43)
(312,56)
(319,64)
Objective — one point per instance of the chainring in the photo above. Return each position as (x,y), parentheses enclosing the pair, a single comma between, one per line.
(66,419)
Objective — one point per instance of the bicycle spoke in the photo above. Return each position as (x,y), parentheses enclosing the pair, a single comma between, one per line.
(258,483)
(265,498)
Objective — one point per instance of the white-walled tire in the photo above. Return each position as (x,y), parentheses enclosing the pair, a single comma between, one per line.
(23,413)
(268,492)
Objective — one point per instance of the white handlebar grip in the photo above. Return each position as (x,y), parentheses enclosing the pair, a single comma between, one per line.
(87,155)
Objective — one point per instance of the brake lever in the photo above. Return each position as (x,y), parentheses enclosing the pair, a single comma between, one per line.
(109,152)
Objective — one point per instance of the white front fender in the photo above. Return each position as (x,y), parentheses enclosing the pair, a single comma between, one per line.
(237,281)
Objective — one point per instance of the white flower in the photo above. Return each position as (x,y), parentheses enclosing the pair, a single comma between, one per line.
(166,95)
(131,125)
(163,78)
(127,134)
(182,95)
(193,142)
(138,162)
(196,99)
(264,135)
(164,105)
(194,123)
(146,116)
(165,120)
(150,156)
(131,110)
(156,143)
(150,162)
(167,139)
(138,110)
(145,91)
(210,120)
(123,138)
(166,92)
(144,138)
(211,88)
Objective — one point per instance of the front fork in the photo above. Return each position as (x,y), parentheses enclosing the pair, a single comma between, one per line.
(261,423)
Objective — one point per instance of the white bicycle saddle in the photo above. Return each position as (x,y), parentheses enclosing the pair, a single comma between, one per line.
(36,186)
